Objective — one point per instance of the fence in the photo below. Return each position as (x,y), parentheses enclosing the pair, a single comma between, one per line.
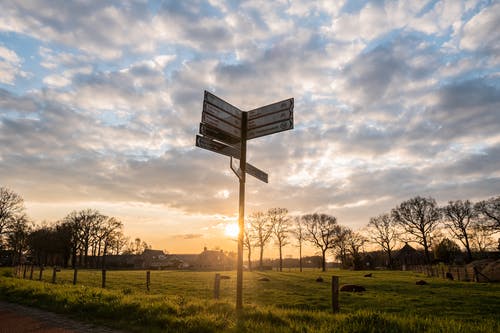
(458,273)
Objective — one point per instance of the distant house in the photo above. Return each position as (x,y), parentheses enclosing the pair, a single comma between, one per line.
(215,260)
(408,256)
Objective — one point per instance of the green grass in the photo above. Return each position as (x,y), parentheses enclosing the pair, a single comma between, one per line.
(289,302)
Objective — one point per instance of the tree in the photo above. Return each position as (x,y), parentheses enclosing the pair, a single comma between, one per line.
(299,231)
(383,231)
(17,238)
(341,244)
(278,218)
(481,237)
(419,217)
(248,243)
(321,232)
(355,242)
(11,208)
(261,231)
(108,232)
(83,226)
(458,217)
(489,210)
(446,251)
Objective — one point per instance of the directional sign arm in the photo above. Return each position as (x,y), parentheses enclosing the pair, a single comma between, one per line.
(232,152)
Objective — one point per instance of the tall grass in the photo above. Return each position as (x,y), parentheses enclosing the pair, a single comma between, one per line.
(289,302)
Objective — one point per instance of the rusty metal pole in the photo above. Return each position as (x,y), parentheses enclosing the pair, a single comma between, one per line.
(241,215)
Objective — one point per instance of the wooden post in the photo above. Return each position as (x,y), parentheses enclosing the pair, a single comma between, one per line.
(217,286)
(31,271)
(75,275)
(41,273)
(54,272)
(25,269)
(148,279)
(458,274)
(103,278)
(335,294)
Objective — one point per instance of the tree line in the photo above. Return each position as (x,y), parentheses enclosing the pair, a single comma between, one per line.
(418,220)
(82,238)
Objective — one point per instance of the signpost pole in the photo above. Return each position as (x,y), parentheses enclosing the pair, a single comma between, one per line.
(241,215)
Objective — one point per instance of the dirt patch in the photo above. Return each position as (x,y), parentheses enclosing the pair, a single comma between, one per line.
(16,318)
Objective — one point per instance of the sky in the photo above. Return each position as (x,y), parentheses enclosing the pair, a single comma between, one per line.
(100,103)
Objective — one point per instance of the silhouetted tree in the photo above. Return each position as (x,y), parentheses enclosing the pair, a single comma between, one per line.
(260,231)
(248,244)
(298,230)
(382,230)
(17,237)
(321,232)
(355,243)
(489,210)
(481,236)
(419,217)
(11,208)
(278,218)
(341,244)
(458,217)
(446,251)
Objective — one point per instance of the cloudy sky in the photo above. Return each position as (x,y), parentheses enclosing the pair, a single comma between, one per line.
(100,102)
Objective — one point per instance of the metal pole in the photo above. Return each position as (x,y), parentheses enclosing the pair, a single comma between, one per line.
(241,215)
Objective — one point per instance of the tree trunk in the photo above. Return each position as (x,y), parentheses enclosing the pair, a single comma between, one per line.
(261,258)
(249,260)
(281,258)
(323,260)
(300,256)
(467,248)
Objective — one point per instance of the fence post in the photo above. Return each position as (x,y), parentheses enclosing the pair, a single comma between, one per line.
(103,278)
(148,280)
(458,274)
(41,273)
(25,269)
(54,272)
(75,275)
(31,271)
(217,286)
(335,294)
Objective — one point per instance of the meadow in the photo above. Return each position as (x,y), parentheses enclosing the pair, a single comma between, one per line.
(182,301)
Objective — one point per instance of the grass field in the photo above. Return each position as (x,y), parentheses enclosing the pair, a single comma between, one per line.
(288,302)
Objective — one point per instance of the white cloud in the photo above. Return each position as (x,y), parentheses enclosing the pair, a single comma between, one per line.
(481,32)
(10,66)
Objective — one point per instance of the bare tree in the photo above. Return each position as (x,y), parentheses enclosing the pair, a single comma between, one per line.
(11,207)
(458,217)
(248,243)
(419,217)
(383,231)
(355,243)
(299,232)
(83,225)
(341,244)
(321,232)
(489,210)
(278,218)
(17,237)
(108,232)
(261,230)
(481,237)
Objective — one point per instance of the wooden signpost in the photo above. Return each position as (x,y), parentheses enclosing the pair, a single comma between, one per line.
(225,129)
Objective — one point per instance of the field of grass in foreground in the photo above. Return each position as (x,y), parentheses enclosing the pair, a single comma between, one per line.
(289,302)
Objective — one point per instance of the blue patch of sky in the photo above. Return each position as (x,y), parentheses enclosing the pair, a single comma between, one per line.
(26,49)
(353,6)
(427,8)
(114,118)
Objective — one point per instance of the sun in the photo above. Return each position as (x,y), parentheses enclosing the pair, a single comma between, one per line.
(231,230)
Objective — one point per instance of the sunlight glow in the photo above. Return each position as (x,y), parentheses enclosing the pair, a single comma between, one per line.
(232,230)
